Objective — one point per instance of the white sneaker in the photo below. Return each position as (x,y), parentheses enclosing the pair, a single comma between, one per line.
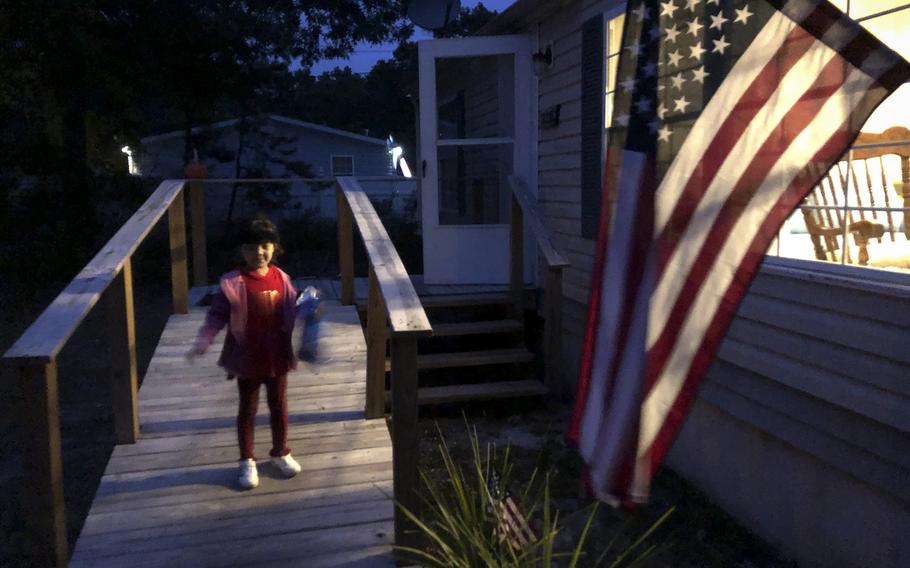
(249,475)
(287,465)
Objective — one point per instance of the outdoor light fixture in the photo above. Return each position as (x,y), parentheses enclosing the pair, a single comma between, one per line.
(130,164)
(545,56)
(398,160)
(542,60)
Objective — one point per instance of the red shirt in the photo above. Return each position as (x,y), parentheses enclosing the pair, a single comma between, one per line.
(264,296)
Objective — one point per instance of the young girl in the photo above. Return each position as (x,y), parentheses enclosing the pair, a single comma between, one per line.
(257,303)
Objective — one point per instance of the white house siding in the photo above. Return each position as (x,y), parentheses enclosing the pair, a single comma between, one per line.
(802,427)
(162,157)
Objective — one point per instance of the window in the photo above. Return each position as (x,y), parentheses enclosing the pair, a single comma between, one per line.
(859,213)
(342,165)
(613,43)
(601,44)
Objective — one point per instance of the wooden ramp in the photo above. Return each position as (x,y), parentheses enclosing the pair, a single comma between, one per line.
(171,499)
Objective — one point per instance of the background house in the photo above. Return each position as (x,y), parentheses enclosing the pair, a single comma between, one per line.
(273,146)
(802,427)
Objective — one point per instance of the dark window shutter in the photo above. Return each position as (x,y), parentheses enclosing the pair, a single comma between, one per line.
(592,123)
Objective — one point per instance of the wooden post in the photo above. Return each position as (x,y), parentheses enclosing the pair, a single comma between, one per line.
(124,376)
(516,257)
(345,247)
(177,236)
(197,222)
(376,346)
(405,437)
(42,462)
(553,329)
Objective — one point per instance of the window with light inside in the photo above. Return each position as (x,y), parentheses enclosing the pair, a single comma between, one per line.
(859,213)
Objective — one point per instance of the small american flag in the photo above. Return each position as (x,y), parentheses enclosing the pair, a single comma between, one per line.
(726,115)
(511,525)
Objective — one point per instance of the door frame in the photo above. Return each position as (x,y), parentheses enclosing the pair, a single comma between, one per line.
(524,144)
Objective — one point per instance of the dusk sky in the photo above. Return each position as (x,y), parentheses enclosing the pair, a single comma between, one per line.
(366,55)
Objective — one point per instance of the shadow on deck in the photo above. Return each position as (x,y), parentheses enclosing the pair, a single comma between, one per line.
(172,497)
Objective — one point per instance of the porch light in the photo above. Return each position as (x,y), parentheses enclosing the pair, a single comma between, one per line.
(130,163)
(398,160)
(544,56)
(543,59)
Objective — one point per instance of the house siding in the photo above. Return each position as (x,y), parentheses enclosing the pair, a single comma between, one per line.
(801,429)
(162,157)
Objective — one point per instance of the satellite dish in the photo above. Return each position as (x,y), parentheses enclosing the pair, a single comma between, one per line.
(433,14)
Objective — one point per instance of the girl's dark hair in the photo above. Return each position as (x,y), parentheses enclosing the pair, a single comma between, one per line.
(258,230)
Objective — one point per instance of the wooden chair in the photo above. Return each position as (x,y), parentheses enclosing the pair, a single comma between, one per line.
(864,189)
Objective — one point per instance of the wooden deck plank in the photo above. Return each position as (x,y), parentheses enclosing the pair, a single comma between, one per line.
(125,528)
(172,498)
(302,432)
(252,522)
(156,492)
(162,511)
(331,445)
(307,547)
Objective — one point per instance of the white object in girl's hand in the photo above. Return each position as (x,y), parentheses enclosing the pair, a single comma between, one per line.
(309,310)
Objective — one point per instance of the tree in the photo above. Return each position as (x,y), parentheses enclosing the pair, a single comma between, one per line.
(346,100)
(79,80)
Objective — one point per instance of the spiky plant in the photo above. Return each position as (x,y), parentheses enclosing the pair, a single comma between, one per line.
(460,525)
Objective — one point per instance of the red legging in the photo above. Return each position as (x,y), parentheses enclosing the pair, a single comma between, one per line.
(276,391)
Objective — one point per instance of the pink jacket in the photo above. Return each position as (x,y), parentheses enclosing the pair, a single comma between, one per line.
(229,308)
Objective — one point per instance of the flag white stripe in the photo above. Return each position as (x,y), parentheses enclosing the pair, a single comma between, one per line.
(792,86)
(762,50)
(618,429)
(824,125)
(612,290)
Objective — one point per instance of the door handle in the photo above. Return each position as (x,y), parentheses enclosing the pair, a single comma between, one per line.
(424,168)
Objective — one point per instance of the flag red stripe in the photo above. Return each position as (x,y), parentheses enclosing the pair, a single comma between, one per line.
(736,122)
(786,204)
(611,166)
(800,115)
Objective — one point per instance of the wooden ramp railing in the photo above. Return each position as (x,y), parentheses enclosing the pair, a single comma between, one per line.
(524,211)
(394,309)
(33,359)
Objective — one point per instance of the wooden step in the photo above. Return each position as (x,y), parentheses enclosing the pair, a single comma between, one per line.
(476,327)
(458,300)
(474,358)
(470,358)
(455,300)
(479,391)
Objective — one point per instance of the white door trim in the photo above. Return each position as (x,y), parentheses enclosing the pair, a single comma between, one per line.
(489,244)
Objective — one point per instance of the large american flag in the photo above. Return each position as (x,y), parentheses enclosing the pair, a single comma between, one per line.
(727,113)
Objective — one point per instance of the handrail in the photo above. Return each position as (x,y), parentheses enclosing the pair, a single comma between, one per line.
(405,312)
(394,313)
(303,180)
(43,340)
(533,216)
(33,358)
(524,209)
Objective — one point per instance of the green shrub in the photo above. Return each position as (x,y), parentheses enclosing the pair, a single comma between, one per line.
(460,526)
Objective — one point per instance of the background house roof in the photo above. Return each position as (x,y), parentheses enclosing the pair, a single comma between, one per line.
(276,118)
